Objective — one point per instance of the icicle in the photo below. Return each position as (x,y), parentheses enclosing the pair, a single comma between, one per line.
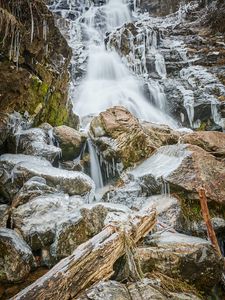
(32,24)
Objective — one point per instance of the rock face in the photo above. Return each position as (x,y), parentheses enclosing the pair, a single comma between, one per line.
(122,138)
(180,256)
(4,215)
(70,141)
(16,259)
(33,73)
(186,168)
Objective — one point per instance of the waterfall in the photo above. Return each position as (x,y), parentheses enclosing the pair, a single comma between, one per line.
(95,169)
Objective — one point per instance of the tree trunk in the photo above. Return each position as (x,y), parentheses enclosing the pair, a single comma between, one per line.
(92,261)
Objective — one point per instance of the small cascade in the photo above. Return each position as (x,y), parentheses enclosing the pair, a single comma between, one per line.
(95,169)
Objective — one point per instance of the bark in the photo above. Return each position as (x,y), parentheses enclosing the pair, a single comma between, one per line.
(92,261)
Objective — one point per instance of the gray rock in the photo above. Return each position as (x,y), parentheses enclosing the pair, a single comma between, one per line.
(180,256)
(34,141)
(16,259)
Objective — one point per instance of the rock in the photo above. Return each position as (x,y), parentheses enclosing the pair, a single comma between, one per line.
(70,141)
(16,259)
(22,168)
(34,187)
(144,289)
(34,76)
(180,256)
(4,215)
(210,141)
(185,168)
(7,163)
(34,141)
(56,224)
(120,137)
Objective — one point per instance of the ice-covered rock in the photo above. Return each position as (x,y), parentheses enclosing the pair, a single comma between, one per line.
(17,169)
(180,256)
(16,259)
(34,141)
(70,141)
(185,168)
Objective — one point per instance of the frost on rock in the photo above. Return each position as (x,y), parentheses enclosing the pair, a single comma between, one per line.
(16,259)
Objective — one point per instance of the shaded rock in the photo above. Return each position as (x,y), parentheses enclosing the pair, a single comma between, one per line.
(213,142)
(35,142)
(188,258)
(185,168)
(144,289)
(4,215)
(70,141)
(22,168)
(16,259)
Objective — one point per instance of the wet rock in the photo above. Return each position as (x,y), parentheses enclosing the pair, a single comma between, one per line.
(35,141)
(4,215)
(16,259)
(188,258)
(144,289)
(70,141)
(185,168)
(122,138)
(22,168)
(213,142)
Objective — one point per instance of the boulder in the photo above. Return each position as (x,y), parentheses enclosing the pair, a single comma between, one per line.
(22,168)
(185,168)
(34,141)
(16,259)
(70,141)
(180,256)
(120,137)
(144,289)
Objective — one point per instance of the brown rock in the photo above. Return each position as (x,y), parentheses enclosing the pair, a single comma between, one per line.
(70,141)
(211,141)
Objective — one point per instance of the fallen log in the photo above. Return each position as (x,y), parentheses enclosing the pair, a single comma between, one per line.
(92,261)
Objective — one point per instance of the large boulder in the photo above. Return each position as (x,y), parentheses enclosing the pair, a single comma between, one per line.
(185,168)
(70,141)
(16,259)
(122,138)
(21,168)
(180,256)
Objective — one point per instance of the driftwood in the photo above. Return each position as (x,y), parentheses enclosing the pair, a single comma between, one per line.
(92,261)
(207,219)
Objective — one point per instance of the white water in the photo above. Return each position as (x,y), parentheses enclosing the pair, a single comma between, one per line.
(108,81)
